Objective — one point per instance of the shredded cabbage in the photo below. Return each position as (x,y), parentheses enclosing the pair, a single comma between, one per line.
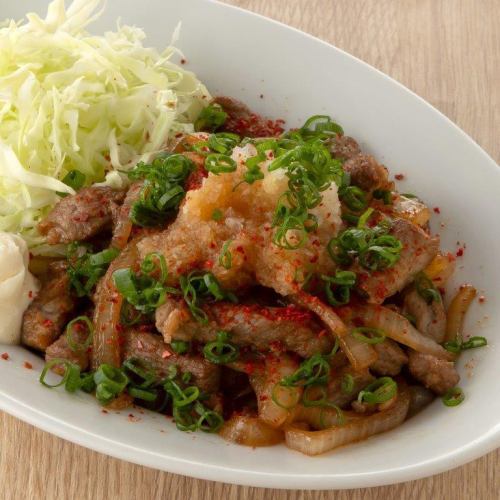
(72,101)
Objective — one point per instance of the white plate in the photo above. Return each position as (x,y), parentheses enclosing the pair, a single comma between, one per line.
(242,55)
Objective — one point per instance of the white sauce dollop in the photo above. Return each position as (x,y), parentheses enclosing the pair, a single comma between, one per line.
(18,286)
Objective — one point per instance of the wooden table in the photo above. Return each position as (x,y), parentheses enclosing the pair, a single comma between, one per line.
(447,51)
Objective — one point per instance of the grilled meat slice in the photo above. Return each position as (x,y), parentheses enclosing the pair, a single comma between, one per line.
(391,358)
(417,252)
(61,349)
(47,315)
(435,374)
(291,327)
(343,147)
(366,172)
(159,357)
(81,216)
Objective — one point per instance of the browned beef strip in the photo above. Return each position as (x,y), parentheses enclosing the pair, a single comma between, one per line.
(391,358)
(159,356)
(366,172)
(435,374)
(418,251)
(243,121)
(60,349)
(343,147)
(80,216)
(291,327)
(430,318)
(47,315)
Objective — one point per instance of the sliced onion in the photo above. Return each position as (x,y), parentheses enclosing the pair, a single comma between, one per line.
(250,431)
(322,418)
(457,310)
(355,429)
(360,355)
(398,328)
(440,269)
(123,225)
(275,403)
(108,304)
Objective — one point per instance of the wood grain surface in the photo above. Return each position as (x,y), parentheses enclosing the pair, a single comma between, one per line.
(447,51)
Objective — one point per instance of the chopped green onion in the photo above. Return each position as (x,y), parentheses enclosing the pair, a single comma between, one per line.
(291,391)
(380,391)
(363,218)
(383,194)
(221,351)
(368,335)
(219,164)
(139,376)
(318,401)
(341,294)
(314,370)
(110,382)
(163,188)
(179,346)
(149,395)
(453,397)
(217,215)
(211,118)
(71,372)
(225,258)
(75,346)
(73,179)
(223,142)
(457,345)
(354,197)
(347,383)
(426,289)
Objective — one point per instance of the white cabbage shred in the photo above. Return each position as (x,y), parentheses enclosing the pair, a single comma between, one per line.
(73,101)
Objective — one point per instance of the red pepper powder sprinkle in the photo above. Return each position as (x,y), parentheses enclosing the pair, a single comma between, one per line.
(5,356)
(460,252)
(166,354)
(183,61)
(481,299)
(399,177)
(437,210)
(47,323)
(104,411)
(28,365)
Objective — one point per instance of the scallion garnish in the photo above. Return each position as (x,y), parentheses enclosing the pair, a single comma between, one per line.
(453,397)
(76,324)
(457,345)
(219,164)
(380,391)
(211,118)
(347,383)
(202,285)
(86,268)
(221,351)
(73,179)
(217,215)
(368,335)
(342,282)
(426,289)
(226,258)
(179,346)
(383,194)
(314,370)
(354,197)
(163,188)
(110,382)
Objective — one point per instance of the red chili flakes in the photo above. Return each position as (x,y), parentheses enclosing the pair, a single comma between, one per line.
(104,411)
(120,328)
(30,294)
(399,177)
(28,365)
(249,368)
(481,299)
(314,259)
(460,252)
(212,244)
(166,354)
(276,346)
(208,264)
(183,61)
(322,333)
(437,210)
(47,323)
(263,397)
(5,355)
(132,418)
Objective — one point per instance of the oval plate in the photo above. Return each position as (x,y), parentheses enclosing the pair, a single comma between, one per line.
(243,55)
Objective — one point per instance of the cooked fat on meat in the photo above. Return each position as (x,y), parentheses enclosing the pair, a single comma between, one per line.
(81,216)
(417,252)
(391,358)
(159,356)
(290,328)
(47,315)
(435,374)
